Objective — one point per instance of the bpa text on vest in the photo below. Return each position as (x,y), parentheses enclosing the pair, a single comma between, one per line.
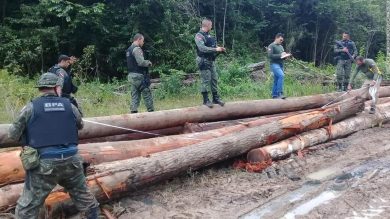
(54,107)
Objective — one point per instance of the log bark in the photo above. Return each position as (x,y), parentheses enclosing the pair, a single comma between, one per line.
(286,147)
(202,127)
(114,179)
(11,169)
(135,136)
(178,117)
(187,128)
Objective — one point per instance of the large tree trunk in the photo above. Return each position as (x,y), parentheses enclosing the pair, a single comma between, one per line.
(9,195)
(136,136)
(318,136)
(202,127)
(11,169)
(115,179)
(177,117)
(187,128)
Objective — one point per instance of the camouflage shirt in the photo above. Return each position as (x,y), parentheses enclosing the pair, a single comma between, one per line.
(368,68)
(351,46)
(61,72)
(139,57)
(17,129)
(200,43)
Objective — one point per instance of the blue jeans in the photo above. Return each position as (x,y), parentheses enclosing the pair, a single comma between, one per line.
(277,89)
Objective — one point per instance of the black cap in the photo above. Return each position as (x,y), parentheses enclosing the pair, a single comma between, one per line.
(63,58)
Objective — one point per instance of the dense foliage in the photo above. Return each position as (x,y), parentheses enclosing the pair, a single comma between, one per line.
(34,32)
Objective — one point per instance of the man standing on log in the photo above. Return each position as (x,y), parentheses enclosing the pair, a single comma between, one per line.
(276,55)
(62,69)
(374,78)
(138,76)
(207,50)
(49,125)
(345,51)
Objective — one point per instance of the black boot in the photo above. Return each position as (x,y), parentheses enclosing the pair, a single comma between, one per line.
(339,87)
(345,86)
(372,110)
(217,99)
(133,112)
(206,100)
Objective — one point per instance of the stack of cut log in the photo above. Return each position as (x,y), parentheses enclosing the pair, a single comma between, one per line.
(127,152)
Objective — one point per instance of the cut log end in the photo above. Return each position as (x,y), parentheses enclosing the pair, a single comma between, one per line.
(258,155)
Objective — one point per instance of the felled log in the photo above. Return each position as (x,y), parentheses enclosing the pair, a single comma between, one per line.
(385,83)
(187,128)
(136,135)
(11,169)
(114,179)
(178,117)
(380,101)
(9,194)
(202,127)
(318,136)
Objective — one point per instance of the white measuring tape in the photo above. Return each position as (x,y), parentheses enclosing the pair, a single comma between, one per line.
(135,130)
(334,100)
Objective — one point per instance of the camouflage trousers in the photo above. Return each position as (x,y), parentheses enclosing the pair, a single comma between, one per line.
(208,76)
(343,72)
(137,88)
(373,91)
(40,182)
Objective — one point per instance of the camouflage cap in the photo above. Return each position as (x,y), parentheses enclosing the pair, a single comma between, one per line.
(49,80)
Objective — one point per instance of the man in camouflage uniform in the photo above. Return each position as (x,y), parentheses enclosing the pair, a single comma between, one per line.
(345,51)
(62,69)
(49,124)
(207,49)
(374,79)
(138,75)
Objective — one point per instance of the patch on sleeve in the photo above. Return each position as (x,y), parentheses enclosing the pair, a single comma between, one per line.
(199,37)
(139,52)
(61,74)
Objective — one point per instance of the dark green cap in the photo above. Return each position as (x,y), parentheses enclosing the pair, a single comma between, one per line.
(49,80)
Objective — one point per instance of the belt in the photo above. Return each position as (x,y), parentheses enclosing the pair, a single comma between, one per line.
(58,156)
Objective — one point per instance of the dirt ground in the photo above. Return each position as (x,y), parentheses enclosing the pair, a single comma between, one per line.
(347,178)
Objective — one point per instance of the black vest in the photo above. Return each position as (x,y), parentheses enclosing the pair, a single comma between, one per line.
(349,45)
(67,87)
(52,123)
(132,65)
(210,41)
